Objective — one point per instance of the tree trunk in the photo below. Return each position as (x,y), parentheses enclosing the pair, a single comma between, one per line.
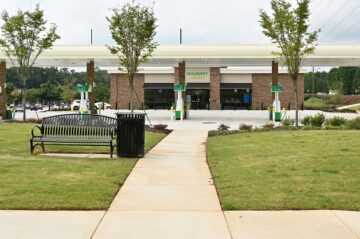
(24,104)
(296,102)
(131,82)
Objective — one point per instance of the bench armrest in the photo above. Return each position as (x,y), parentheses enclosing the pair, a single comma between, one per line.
(32,131)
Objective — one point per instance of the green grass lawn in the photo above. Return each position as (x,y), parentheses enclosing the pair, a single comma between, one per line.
(314,102)
(287,170)
(41,182)
(357,108)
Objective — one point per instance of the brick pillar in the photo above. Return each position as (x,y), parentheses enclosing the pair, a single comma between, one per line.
(274,75)
(215,88)
(90,75)
(180,76)
(3,92)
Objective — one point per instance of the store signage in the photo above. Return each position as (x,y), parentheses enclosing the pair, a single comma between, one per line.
(276,88)
(197,75)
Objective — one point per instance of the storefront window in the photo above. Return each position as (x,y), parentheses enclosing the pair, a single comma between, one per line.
(235,99)
(159,98)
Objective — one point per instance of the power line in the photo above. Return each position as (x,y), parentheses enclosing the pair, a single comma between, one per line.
(333,17)
(347,30)
(324,10)
(344,19)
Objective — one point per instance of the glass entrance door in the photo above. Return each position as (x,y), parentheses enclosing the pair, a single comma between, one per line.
(199,99)
(232,99)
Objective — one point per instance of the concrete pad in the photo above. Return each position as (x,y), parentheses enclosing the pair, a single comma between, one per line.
(351,219)
(72,155)
(168,176)
(166,197)
(48,224)
(286,225)
(163,225)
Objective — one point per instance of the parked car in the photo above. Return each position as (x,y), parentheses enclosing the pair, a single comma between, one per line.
(36,107)
(19,108)
(102,105)
(75,105)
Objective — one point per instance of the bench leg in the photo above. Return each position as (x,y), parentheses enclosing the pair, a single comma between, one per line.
(111,150)
(43,147)
(31,147)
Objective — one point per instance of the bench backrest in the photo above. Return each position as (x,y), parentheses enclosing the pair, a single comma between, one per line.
(78,125)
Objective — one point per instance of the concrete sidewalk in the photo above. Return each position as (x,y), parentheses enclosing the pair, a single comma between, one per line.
(169,194)
(48,224)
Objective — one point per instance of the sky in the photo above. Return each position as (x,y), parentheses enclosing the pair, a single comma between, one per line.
(202,21)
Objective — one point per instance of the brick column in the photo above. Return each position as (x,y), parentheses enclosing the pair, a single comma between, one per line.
(215,88)
(3,91)
(90,75)
(274,75)
(180,76)
(120,91)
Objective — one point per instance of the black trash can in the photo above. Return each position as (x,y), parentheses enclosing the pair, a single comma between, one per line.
(130,135)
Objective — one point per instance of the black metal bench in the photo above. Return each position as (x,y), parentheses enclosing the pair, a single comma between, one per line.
(75,129)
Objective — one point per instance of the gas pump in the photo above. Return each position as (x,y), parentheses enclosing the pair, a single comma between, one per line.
(276,109)
(84,94)
(179,106)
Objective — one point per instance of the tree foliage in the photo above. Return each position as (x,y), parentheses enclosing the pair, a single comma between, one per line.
(344,80)
(133,28)
(288,28)
(24,37)
(68,79)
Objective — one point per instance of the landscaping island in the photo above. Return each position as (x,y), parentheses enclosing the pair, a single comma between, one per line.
(57,183)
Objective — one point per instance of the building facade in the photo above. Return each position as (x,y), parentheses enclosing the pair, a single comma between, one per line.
(209,88)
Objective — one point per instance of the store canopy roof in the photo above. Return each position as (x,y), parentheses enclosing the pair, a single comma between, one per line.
(197,56)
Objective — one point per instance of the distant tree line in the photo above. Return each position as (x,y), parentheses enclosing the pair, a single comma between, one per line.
(54,84)
(343,80)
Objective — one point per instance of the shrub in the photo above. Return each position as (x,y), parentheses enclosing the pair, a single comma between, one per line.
(337,121)
(353,124)
(317,120)
(160,126)
(245,127)
(223,127)
(330,127)
(306,120)
(287,122)
(222,132)
(268,126)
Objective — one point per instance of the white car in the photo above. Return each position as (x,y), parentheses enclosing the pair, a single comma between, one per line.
(75,105)
(101,105)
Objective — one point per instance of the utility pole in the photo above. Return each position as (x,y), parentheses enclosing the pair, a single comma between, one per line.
(180,36)
(91,36)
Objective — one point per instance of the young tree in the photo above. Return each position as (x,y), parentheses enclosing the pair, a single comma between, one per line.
(133,28)
(24,37)
(289,29)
